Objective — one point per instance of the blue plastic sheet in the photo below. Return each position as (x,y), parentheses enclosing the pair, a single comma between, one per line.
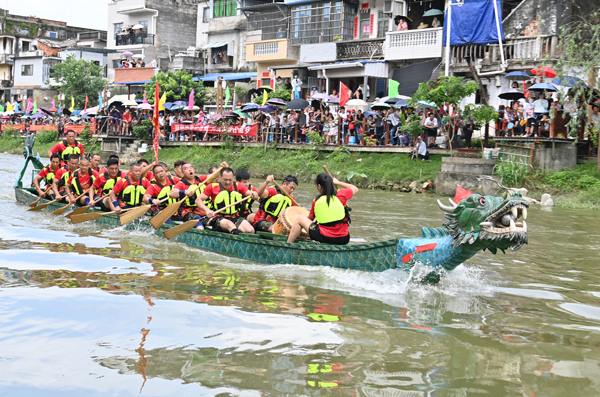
(474,23)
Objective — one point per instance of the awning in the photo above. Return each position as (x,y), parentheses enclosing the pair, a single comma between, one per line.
(226,76)
(215,45)
(378,69)
(135,82)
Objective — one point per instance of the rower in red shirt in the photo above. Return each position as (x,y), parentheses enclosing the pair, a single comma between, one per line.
(105,183)
(160,188)
(222,194)
(47,174)
(62,177)
(129,191)
(95,163)
(80,182)
(67,147)
(273,202)
(243,177)
(191,186)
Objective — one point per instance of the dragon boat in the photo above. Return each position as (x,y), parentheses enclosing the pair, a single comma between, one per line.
(474,223)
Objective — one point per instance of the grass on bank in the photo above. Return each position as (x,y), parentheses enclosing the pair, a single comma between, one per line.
(363,169)
(14,143)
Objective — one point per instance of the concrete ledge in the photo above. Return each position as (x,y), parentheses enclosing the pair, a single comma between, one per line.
(468,166)
(446,182)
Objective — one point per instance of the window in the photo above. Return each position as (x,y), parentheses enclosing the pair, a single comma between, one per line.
(365,25)
(383,24)
(26,70)
(144,24)
(52,35)
(118,27)
(224,8)
(322,22)
(205,14)
(25,46)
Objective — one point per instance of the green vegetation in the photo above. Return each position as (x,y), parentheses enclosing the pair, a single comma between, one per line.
(280,92)
(144,130)
(78,79)
(12,142)
(178,87)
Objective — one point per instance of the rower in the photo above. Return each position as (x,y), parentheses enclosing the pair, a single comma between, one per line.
(62,177)
(243,177)
(80,181)
(330,212)
(177,168)
(67,147)
(112,156)
(146,167)
(189,209)
(160,188)
(273,202)
(105,183)
(222,194)
(95,163)
(47,174)
(129,191)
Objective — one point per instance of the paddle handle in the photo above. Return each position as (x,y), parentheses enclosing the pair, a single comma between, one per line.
(231,205)
(38,200)
(80,196)
(329,173)
(286,194)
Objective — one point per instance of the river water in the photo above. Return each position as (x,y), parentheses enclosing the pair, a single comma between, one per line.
(89,310)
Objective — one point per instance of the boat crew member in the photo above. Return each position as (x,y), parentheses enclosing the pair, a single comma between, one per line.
(243,177)
(222,194)
(329,210)
(62,176)
(273,202)
(105,183)
(177,168)
(79,182)
(160,188)
(146,167)
(47,175)
(129,191)
(95,163)
(191,186)
(67,147)
(112,156)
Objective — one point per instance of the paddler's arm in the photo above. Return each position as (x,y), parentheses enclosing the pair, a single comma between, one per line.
(111,202)
(200,203)
(36,184)
(148,199)
(55,188)
(91,195)
(70,195)
(252,194)
(148,167)
(262,189)
(346,185)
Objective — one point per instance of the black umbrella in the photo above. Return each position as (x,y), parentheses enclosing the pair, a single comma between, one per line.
(66,112)
(19,113)
(47,111)
(297,104)
(512,94)
(409,21)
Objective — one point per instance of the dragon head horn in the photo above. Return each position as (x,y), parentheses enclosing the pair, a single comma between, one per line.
(447,208)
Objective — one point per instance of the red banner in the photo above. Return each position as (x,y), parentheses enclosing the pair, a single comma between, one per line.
(214,129)
(39,127)
(356,27)
(372,24)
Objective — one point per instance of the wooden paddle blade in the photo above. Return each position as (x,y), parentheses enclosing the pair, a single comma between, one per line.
(164,215)
(40,207)
(177,230)
(78,211)
(35,202)
(133,214)
(87,217)
(60,210)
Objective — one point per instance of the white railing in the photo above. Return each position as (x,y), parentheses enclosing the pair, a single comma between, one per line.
(516,50)
(266,49)
(414,44)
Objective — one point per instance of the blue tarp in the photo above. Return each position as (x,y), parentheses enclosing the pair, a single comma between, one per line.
(474,23)
(226,76)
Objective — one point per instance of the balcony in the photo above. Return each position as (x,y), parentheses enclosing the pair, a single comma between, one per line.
(227,24)
(359,49)
(414,44)
(134,39)
(130,75)
(7,59)
(6,83)
(271,50)
(91,36)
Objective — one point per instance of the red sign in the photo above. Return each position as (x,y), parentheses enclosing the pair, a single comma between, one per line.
(214,129)
(372,24)
(39,127)
(355,27)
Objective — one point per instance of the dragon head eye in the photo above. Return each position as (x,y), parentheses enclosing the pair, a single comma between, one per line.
(481,201)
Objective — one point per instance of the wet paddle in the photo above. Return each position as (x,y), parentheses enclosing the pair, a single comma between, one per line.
(42,206)
(85,208)
(61,210)
(93,216)
(168,212)
(177,230)
(285,194)
(38,200)
(134,214)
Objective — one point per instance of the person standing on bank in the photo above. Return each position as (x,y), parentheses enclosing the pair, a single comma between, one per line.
(329,211)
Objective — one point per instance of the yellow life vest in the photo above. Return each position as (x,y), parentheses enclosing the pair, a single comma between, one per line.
(225,198)
(69,150)
(165,191)
(51,174)
(77,185)
(64,179)
(110,183)
(191,201)
(247,205)
(132,195)
(332,214)
(275,205)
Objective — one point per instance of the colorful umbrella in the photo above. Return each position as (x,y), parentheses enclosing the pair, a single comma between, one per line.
(276,102)
(250,107)
(569,81)
(144,106)
(381,106)
(518,76)
(543,87)
(544,71)
(128,53)
(433,12)
(267,108)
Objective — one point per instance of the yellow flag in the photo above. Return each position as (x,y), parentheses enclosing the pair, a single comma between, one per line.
(265,97)
(9,107)
(162,101)
(72,104)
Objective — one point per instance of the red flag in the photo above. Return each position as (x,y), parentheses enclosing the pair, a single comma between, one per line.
(86,102)
(461,194)
(155,122)
(344,94)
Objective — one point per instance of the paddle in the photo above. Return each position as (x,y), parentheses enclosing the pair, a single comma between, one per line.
(134,214)
(329,173)
(61,210)
(93,216)
(38,200)
(42,206)
(168,212)
(285,194)
(85,208)
(177,230)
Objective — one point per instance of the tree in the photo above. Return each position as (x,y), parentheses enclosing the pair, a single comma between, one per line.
(78,78)
(178,86)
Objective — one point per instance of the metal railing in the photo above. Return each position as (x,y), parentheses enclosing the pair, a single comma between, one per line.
(91,36)
(360,49)
(134,39)
(266,49)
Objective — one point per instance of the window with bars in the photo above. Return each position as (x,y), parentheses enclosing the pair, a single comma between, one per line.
(224,8)
(383,24)
(26,70)
(322,22)
(271,24)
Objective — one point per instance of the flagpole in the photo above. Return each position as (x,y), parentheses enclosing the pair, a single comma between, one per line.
(448,29)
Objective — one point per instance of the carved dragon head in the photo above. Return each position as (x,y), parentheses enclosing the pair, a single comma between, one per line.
(487,222)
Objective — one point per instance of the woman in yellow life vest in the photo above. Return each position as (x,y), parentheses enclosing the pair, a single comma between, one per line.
(330,212)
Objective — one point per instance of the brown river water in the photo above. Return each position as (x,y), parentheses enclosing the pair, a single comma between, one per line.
(86,310)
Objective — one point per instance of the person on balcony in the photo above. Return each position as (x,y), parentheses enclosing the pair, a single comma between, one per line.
(280,33)
(436,23)
(402,24)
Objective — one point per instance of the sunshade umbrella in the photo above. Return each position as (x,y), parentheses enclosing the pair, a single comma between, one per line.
(333,100)
(241,114)
(216,116)
(138,26)
(321,96)
(6,117)
(397,19)
(569,81)
(230,114)
(130,103)
(91,111)
(180,103)
(168,105)
(128,53)
(517,76)
(543,87)
(264,88)
(66,112)
(144,106)
(267,108)
(511,94)
(176,108)
(357,104)
(381,106)
(48,111)
(27,116)
(276,102)
(250,107)
(75,112)
(297,104)
(74,118)
(138,101)
(401,103)
(433,12)
(369,113)
(391,100)
(426,104)
(544,71)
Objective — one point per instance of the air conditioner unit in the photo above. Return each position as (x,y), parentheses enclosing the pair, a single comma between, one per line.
(395,7)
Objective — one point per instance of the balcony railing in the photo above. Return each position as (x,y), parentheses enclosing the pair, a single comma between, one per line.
(270,50)
(413,44)
(359,49)
(266,49)
(91,36)
(7,59)
(134,39)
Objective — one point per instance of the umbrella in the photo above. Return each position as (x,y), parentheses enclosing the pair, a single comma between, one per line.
(511,94)
(130,103)
(176,108)
(74,118)
(333,100)
(401,103)
(138,26)
(26,117)
(6,117)
(230,114)
(297,104)
(569,81)
(48,111)
(543,87)
(276,102)
(426,104)
(433,12)
(381,106)
(370,113)
(75,112)
(139,101)
(144,106)
(216,116)
(241,114)
(264,88)
(128,53)
(357,104)
(320,96)
(518,76)
(250,107)
(168,105)
(544,71)
(66,112)
(397,19)
(267,108)
(180,103)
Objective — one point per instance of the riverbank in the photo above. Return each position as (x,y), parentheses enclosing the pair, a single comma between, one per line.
(14,145)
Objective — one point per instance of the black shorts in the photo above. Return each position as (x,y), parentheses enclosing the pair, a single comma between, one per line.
(103,207)
(315,234)
(263,226)
(531,122)
(216,222)
(189,217)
